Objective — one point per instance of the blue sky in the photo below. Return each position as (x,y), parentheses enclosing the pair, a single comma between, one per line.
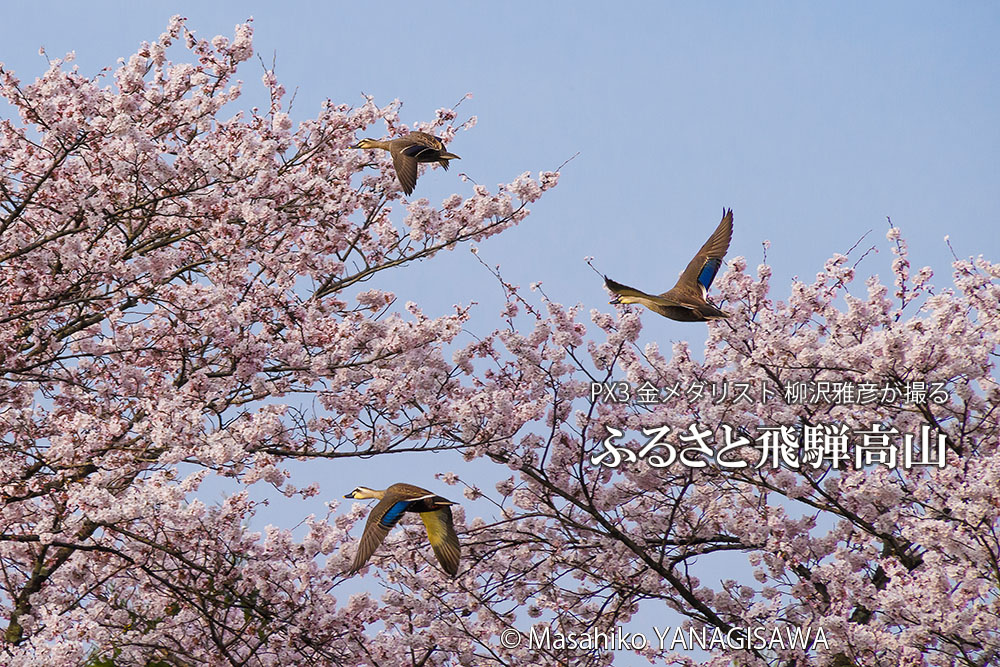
(812,121)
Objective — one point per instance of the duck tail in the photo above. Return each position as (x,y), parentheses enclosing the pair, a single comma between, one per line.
(444,157)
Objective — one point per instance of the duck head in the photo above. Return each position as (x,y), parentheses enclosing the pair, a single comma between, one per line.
(363,493)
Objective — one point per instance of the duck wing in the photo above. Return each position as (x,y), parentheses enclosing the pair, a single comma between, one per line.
(406,169)
(701,270)
(380,521)
(424,140)
(441,533)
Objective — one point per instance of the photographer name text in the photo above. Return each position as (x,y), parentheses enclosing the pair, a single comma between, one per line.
(667,638)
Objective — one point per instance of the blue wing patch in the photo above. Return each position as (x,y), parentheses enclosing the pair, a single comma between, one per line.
(395,512)
(708,272)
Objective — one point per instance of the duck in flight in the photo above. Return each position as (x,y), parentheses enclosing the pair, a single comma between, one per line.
(434,511)
(686,301)
(407,151)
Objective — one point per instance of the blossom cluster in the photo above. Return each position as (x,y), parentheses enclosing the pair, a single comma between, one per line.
(191,294)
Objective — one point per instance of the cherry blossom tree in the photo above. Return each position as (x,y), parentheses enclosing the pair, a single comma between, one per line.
(182,299)
(895,564)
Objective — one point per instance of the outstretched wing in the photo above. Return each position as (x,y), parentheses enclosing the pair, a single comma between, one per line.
(441,533)
(381,520)
(406,169)
(701,270)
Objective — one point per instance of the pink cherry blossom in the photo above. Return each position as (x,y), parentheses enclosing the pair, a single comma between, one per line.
(184,299)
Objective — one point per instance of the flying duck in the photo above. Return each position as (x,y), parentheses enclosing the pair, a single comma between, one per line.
(407,151)
(434,511)
(686,301)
